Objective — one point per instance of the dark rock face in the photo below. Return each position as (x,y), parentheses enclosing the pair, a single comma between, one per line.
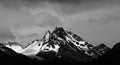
(117,46)
(110,57)
(99,50)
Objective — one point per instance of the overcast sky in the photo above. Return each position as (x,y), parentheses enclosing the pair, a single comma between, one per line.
(23,21)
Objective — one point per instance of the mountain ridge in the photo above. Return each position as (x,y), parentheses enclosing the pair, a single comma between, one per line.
(63,45)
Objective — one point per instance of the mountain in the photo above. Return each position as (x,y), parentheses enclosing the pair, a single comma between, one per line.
(110,57)
(117,46)
(9,56)
(59,45)
(98,50)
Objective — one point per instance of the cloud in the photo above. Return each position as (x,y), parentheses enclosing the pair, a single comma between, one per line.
(99,15)
(28,30)
(26,34)
(20,24)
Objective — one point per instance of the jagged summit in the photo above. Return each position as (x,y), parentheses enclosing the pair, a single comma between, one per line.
(60,34)
(46,36)
(59,31)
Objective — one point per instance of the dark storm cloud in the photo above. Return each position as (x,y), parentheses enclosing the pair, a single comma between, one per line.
(59,1)
(19,3)
(65,1)
(11,4)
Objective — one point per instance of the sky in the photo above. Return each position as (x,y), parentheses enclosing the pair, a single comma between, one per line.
(95,21)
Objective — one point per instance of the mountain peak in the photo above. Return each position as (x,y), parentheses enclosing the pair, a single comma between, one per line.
(60,32)
(117,46)
(46,36)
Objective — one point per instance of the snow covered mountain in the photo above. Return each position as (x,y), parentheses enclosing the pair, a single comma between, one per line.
(60,44)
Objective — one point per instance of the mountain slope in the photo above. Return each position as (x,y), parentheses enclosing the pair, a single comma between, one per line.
(14,46)
(110,57)
(8,56)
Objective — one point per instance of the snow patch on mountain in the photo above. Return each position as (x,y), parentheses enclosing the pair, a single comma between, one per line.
(35,46)
(17,49)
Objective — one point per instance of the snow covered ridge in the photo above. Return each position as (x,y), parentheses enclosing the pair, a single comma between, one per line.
(14,46)
(60,41)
